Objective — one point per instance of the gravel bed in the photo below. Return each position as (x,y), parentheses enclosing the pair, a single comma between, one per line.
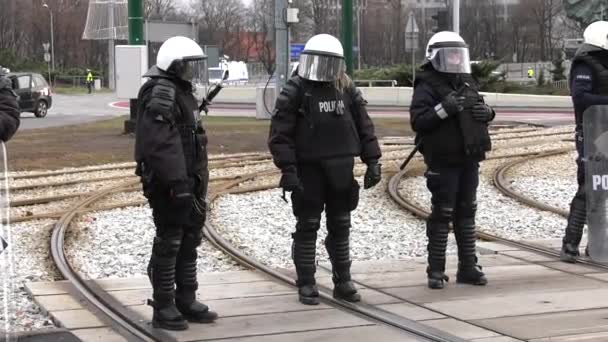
(118,243)
(31,262)
(549,180)
(79,169)
(234,171)
(74,177)
(497,214)
(65,190)
(121,197)
(261,224)
(38,209)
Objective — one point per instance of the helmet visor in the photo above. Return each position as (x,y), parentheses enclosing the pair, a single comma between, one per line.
(321,68)
(452,60)
(195,71)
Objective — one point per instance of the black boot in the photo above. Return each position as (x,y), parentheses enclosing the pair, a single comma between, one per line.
(165,314)
(187,284)
(574,229)
(185,296)
(303,252)
(436,279)
(437,233)
(468,270)
(161,271)
(337,245)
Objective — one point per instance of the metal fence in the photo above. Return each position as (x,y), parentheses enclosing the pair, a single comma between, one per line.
(75,81)
(519,71)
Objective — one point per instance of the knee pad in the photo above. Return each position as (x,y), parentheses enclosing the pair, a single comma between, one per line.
(165,248)
(338,225)
(307,228)
(441,213)
(466,209)
(190,241)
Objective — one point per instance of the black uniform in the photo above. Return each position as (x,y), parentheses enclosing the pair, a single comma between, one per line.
(453,143)
(316,131)
(171,155)
(9,110)
(589,87)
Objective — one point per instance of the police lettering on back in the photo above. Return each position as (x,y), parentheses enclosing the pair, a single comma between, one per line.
(600,182)
(330,106)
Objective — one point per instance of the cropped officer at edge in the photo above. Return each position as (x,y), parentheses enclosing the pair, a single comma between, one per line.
(588,87)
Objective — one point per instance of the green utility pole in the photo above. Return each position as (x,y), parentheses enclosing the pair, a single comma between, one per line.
(136,22)
(347,34)
(136,37)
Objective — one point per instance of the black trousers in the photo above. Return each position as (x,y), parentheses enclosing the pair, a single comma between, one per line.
(578,206)
(453,187)
(179,231)
(328,185)
(454,199)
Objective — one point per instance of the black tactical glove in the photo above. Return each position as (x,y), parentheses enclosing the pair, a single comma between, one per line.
(482,112)
(181,195)
(290,181)
(372,175)
(452,104)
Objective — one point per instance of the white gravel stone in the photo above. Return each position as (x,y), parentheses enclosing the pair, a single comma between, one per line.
(497,214)
(65,190)
(118,243)
(31,262)
(73,177)
(261,224)
(549,180)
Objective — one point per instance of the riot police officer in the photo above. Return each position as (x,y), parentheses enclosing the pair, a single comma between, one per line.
(588,87)
(450,119)
(9,108)
(318,126)
(171,155)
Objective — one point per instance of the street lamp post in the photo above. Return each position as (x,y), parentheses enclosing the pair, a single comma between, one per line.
(52,38)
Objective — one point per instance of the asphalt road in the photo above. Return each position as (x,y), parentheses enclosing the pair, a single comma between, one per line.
(77,109)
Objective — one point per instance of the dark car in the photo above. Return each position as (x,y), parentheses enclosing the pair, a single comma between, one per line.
(34,93)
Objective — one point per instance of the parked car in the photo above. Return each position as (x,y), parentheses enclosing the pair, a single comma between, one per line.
(34,92)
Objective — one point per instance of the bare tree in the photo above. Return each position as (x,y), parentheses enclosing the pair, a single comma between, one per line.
(261,14)
(159,9)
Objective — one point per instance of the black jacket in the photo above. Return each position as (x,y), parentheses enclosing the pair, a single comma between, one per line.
(442,139)
(9,110)
(170,142)
(588,83)
(313,121)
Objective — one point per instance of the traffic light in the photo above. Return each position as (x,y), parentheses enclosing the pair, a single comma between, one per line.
(440,21)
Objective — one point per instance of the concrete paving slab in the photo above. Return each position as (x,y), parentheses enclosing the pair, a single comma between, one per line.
(452,291)
(518,304)
(595,337)
(410,311)
(99,335)
(356,334)
(77,319)
(245,326)
(459,328)
(573,268)
(550,325)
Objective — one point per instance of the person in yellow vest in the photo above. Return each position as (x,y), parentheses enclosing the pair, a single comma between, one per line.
(89,80)
(530,73)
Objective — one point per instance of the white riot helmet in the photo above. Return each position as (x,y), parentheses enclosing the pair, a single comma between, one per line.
(596,34)
(184,58)
(448,52)
(322,59)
